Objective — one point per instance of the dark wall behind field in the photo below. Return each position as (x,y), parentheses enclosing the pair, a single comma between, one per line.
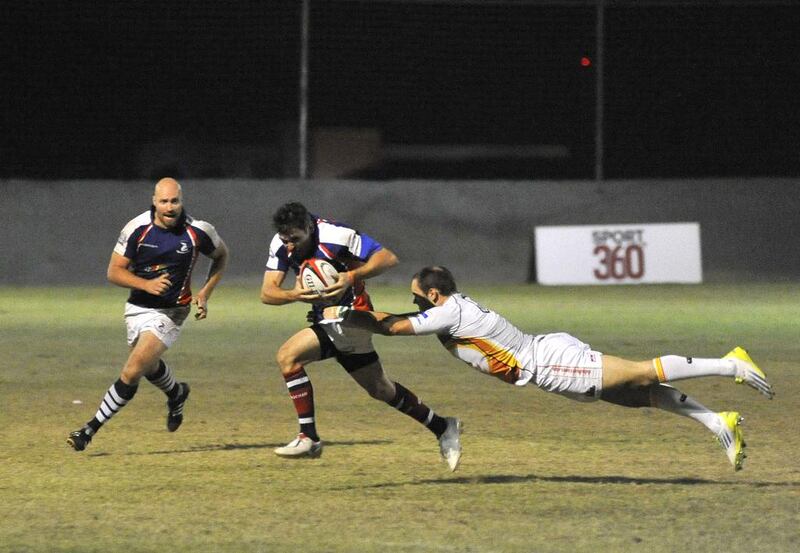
(63,232)
(126,90)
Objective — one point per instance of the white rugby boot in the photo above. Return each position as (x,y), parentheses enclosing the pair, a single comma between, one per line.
(301,446)
(450,443)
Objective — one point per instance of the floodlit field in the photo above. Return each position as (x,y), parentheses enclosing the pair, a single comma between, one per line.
(539,473)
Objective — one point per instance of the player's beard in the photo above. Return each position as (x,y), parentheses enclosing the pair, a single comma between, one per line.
(170,220)
(423,303)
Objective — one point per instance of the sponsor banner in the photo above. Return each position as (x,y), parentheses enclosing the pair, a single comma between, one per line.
(618,254)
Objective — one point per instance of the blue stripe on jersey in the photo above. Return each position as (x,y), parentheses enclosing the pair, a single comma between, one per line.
(369,246)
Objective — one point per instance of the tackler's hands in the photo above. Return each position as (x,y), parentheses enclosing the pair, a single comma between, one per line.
(335,314)
(157,286)
(335,291)
(331,313)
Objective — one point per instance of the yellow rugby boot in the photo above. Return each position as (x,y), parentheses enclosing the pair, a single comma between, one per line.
(748,372)
(731,438)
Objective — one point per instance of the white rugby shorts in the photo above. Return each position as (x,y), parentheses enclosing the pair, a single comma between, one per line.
(349,340)
(567,366)
(164,323)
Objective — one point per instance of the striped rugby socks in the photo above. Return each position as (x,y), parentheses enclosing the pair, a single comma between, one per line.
(164,380)
(302,394)
(406,402)
(117,396)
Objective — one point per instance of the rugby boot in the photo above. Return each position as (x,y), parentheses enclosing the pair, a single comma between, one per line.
(748,372)
(175,407)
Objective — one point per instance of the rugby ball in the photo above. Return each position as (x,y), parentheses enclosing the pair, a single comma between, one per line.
(316,274)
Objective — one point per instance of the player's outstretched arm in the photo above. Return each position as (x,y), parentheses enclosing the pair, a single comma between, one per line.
(119,274)
(374,321)
(273,294)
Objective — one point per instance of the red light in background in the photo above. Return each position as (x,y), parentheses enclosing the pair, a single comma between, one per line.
(585,62)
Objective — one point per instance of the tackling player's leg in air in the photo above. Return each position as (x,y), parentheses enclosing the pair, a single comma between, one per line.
(642,384)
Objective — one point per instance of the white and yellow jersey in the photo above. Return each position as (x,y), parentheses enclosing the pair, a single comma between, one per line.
(480,337)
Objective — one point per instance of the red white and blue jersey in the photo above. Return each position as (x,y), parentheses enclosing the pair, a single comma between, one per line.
(153,250)
(344,247)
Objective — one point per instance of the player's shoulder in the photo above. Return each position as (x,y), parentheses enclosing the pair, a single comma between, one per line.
(454,304)
(450,309)
(131,232)
(205,226)
(278,255)
(462,309)
(276,243)
(332,232)
(205,229)
(438,319)
(141,220)
(469,306)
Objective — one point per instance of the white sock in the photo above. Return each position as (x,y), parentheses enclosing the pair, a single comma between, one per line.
(672,400)
(675,367)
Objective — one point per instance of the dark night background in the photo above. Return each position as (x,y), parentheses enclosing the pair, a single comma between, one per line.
(690,90)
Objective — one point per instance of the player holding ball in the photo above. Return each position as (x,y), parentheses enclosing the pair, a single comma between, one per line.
(357,257)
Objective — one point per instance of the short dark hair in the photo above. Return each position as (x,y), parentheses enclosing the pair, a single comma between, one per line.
(436,276)
(292,215)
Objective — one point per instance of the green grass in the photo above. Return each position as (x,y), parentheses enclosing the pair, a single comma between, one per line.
(539,473)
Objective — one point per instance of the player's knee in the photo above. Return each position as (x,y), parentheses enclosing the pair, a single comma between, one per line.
(648,378)
(629,395)
(133,370)
(641,374)
(287,361)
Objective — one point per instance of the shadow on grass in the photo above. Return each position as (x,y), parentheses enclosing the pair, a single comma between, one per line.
(611,479)
(235,447)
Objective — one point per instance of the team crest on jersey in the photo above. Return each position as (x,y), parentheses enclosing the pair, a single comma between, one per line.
(184,247)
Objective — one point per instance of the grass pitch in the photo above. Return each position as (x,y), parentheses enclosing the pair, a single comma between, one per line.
(539,472)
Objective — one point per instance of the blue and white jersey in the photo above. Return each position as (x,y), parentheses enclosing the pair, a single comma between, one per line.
(153,250)
(344,247)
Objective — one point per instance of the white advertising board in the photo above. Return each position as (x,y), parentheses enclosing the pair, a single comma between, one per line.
(618,254)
